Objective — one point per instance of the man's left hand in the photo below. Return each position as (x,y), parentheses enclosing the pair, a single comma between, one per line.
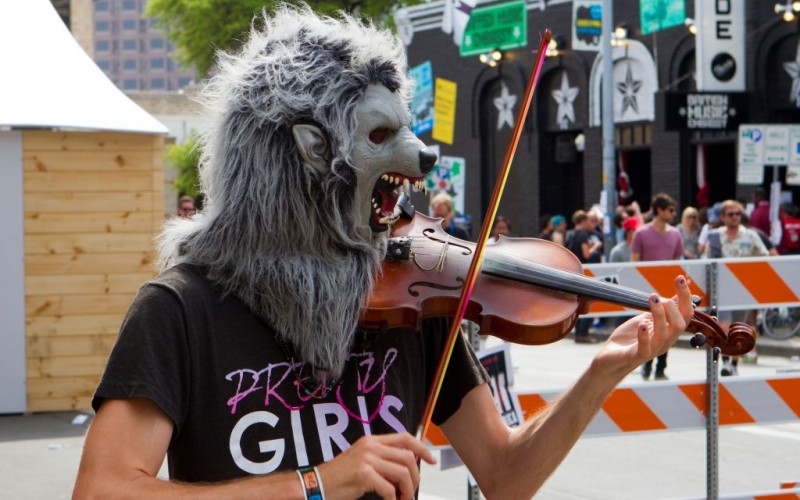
(648,335)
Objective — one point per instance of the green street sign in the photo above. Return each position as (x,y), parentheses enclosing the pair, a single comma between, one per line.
(661,14)
(497,27)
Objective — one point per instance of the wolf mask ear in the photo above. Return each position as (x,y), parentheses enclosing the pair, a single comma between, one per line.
(312,146)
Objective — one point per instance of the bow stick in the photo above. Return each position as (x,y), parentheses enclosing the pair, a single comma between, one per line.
(477,258)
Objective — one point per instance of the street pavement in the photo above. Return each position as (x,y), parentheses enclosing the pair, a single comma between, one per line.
(39,454)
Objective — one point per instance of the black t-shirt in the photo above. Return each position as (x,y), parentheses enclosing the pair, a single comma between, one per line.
(217,371)
(575,242)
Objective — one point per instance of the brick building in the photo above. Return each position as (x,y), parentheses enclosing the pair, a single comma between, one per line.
(558,167)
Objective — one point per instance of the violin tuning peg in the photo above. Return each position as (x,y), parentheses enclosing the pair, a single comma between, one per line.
(698,340)
(696,299)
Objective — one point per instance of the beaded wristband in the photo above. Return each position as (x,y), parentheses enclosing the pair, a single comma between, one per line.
(311,482)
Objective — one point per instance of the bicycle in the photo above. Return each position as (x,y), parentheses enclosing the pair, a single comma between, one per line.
(779,323)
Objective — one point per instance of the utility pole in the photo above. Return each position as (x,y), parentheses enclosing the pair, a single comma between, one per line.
(609,151)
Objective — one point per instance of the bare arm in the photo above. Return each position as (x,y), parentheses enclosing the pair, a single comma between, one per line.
(128,440)
(514,463)
(588,248)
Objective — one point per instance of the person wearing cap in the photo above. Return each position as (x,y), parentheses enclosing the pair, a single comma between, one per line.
(622,250)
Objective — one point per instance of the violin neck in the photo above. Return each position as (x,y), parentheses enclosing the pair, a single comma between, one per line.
(514,268)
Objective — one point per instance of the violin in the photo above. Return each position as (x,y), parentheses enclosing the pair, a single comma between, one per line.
(529,291)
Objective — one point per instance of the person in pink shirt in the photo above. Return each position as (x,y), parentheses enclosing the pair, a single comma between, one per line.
(658,240)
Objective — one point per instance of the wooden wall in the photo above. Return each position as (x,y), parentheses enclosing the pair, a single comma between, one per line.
(94,202)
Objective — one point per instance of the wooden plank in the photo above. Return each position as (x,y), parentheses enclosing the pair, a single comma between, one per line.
(140,201)
(78,345)
(62,387)
(88,243)
(53,326)
(90,263)
(87,182)
(73,366)
(85,283)
(87,222)
(58,305)
(36,405)
(46,140)
(83,161)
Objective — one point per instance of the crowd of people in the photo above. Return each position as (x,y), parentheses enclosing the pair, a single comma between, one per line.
(724,230)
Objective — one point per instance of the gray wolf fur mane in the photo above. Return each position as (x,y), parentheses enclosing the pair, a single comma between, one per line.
(277,234)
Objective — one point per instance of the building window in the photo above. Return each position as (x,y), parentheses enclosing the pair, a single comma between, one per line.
(130,84)
(101,6)
(128,5)
(129,25)
(157,63)
(157,83)
(104,65)
(129,45)
(101,46)
(156,43)
(101,26)
(184,81)
(129,64)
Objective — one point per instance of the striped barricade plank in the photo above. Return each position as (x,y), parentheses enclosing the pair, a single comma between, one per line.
(781,494)
(743,283)
(673,406)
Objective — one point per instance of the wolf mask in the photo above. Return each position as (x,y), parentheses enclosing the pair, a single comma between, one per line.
(307,146)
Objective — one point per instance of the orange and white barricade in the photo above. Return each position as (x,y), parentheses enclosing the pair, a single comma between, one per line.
(781,494)
(742,283)
(673,406)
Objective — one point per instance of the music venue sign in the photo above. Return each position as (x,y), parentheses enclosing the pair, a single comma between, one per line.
(705,110)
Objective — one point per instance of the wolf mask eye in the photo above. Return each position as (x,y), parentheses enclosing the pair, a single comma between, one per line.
(378,135)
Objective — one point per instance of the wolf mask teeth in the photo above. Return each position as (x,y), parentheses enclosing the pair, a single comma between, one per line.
(385,195)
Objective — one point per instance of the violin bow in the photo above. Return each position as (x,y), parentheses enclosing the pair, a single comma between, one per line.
(477,258)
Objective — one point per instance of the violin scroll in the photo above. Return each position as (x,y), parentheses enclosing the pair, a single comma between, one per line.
(740,338)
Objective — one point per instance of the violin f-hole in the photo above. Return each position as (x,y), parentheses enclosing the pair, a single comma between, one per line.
(437,286)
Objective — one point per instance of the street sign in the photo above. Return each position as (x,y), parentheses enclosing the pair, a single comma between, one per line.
(657,15)
(794,145)
(500,27)
(776,145)
(751,144)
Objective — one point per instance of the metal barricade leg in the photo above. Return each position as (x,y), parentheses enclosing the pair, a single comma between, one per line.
(712,407)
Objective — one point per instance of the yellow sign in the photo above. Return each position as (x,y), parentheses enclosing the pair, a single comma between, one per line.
(444,111)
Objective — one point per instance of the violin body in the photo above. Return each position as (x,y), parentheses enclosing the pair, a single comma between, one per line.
(529,291)
(415,288)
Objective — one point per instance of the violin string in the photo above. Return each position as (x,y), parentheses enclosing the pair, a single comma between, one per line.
(501,264)
(512,267)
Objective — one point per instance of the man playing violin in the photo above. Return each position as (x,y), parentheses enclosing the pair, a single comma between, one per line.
(244,362)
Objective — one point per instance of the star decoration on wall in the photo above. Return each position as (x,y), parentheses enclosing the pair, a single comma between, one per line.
(565,96)
(505,106)
(793,68)
(628,89)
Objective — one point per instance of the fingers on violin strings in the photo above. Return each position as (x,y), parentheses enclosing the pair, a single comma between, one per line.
(686,303)
(657,309)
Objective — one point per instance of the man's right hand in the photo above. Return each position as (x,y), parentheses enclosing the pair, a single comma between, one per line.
(385,465)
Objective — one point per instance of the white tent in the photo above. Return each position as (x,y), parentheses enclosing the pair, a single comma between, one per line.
(49,81)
